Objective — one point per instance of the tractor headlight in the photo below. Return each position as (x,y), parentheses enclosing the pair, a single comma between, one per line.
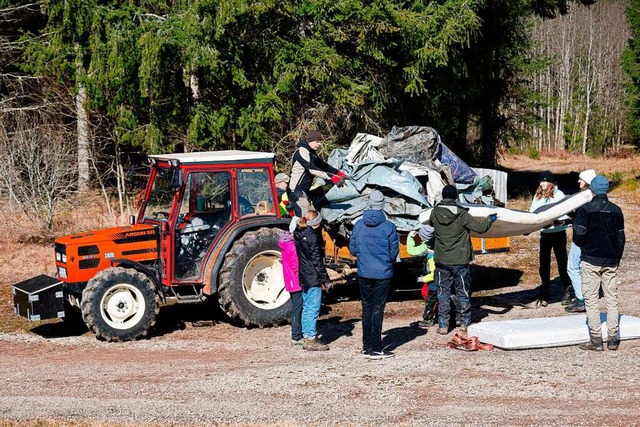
(64,258)
(58,257)
(62,272)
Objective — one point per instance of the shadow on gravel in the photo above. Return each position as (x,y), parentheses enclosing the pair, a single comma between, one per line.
(396,337)
(61,329)
(334,328)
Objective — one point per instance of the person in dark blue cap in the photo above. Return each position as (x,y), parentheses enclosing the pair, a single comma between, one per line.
(599,232)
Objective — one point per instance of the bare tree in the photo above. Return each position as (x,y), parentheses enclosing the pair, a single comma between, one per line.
(39,170)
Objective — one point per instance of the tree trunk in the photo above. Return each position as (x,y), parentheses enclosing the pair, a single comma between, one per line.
(82,127)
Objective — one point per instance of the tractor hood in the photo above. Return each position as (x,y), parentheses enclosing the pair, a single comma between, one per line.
(80,256)
(126,234)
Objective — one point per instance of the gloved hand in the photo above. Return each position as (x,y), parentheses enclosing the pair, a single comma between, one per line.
(420,279)
(413,233)
(343,175)
(337,180)
(492,217)
(328,286)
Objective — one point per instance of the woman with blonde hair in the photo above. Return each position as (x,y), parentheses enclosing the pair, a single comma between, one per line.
(553,238)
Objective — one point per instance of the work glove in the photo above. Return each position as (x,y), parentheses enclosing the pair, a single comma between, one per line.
(337,180)
(413,233)
(420,279)
(343,175)
(493,217)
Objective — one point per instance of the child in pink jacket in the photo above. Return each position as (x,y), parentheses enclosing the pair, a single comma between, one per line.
(292,285)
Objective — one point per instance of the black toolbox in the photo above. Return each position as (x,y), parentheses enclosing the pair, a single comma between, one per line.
(39,298)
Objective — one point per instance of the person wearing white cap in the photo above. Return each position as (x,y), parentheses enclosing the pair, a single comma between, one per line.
(573,265)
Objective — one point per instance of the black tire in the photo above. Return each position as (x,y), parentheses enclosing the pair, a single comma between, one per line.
(252,269)
(120,304)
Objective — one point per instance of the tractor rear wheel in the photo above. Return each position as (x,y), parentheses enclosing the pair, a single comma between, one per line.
(120,304)
(251,289)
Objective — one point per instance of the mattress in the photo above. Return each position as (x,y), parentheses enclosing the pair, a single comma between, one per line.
(547,332)
(513,222)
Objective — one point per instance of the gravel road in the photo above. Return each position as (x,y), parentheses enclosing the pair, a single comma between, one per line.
(212,373)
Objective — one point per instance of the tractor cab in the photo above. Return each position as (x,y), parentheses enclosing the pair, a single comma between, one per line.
(193,198)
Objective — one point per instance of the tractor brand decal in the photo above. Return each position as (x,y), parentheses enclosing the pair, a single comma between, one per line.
(89,257)
(134,236)
(109,255)
(139,251)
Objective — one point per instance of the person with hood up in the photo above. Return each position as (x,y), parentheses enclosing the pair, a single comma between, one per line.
(374,241)
(599,230)
(573,264)
(305,166)
(452,225)
(312,275)
(290,274)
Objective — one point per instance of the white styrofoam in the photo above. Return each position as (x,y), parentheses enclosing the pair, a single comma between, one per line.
(547,332)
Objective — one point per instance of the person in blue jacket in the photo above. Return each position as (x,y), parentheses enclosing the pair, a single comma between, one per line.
(375,243)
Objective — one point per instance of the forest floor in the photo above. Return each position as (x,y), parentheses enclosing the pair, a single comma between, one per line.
(197,369)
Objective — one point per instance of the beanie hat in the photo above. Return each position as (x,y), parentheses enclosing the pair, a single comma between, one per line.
(599,185)
(376,200)
(587,176)
(547,176)
(313,135)
(282,177)
(315,221)
(449,192)
(425,232)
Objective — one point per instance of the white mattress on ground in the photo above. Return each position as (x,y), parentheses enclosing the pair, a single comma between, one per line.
(547,332)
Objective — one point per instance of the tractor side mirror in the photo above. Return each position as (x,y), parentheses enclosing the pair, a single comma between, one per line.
(176,182)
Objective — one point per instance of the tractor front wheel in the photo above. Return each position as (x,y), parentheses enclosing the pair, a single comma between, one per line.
(120,304)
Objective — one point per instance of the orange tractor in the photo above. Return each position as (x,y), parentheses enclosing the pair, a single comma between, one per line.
(208,226)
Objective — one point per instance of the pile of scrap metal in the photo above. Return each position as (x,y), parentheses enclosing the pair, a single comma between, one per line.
(410,166)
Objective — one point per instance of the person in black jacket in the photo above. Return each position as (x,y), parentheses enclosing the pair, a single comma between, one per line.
(599,232)
(312,275)
(305,166)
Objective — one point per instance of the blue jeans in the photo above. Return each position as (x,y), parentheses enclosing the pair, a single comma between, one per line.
(373,294)
(573,270)
(311,301)
(448,278)
(296,315)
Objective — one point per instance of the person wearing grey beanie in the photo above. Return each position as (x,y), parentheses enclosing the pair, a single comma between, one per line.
(426,280)
(374,242)
(599,232)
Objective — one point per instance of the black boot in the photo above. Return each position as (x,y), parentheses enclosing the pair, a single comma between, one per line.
(430,315)
(568,296)
(595,344)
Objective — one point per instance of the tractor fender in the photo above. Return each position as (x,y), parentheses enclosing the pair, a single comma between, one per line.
(224,243)
(127,263)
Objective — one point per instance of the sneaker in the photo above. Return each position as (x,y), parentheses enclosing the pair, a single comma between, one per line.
(591,345)
(426,323)
(297,343)
(379,355)
(442,330)
(364,352)
(613,344)
(314,345)
(577,306)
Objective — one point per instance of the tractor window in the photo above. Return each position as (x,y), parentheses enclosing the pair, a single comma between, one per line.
(254,192)
(205,209)
(161,196)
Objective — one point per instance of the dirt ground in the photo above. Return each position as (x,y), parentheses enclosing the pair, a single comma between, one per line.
(197,369)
